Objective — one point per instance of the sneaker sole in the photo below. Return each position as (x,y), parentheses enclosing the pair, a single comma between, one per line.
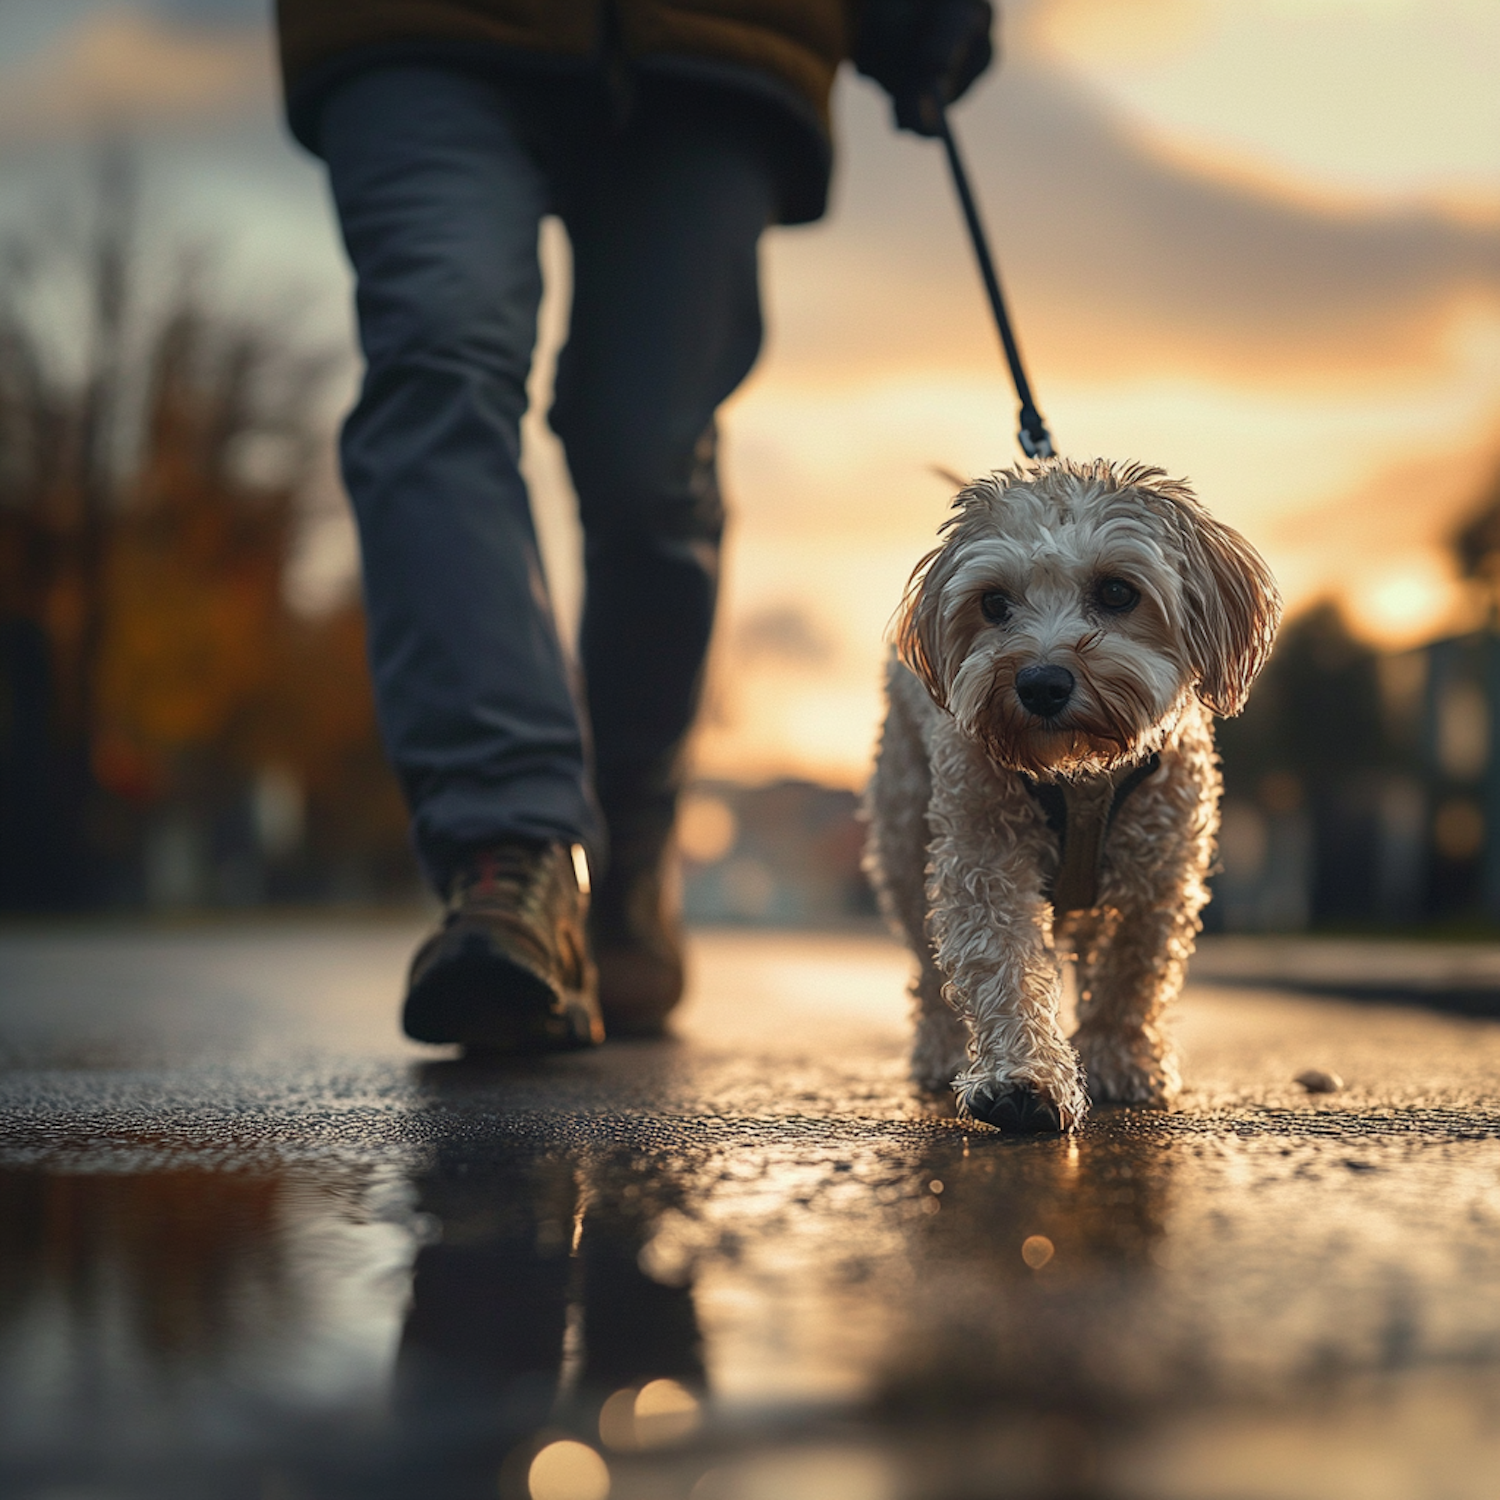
(487,1003)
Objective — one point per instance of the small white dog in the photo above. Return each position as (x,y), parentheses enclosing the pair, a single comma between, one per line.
(1047,778)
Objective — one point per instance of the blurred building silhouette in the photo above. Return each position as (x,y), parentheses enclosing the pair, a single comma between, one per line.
(1362,789)
(784,854)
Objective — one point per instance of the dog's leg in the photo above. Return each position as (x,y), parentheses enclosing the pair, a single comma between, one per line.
(939,1050)
(1127,1053)
(1156,864)
(990,928)
(896,862)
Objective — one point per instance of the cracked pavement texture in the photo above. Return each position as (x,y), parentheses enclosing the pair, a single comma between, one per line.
(252,1243)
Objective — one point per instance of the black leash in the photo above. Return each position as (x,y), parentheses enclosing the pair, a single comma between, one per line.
(1036,441)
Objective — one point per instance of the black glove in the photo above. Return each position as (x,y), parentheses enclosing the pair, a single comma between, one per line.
(924,53)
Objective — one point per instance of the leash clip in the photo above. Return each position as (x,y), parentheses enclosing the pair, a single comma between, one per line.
(1035,440)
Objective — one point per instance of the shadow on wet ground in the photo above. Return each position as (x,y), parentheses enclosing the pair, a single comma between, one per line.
(253,1244)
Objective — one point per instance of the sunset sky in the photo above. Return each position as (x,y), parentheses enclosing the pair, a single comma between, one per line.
(1254,241)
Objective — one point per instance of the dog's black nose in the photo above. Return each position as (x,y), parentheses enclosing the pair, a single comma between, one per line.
(1044,691)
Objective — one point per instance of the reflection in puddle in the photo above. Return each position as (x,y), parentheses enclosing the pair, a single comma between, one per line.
(341,1327)
(532,1310)
(533,1293)
(150,1307)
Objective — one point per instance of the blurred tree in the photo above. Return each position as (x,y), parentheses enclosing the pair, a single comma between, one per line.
(1313,739)
(1476,548)
(1315,713)
(192,579)
(43,759)
(154,683)
(1476,545)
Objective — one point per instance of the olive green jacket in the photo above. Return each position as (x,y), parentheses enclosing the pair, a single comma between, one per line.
(785,51)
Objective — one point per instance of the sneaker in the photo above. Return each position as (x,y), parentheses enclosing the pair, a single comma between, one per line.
(509,968)
(636,935)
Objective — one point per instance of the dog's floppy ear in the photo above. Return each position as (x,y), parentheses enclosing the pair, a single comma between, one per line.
(1233,609)
(919,624)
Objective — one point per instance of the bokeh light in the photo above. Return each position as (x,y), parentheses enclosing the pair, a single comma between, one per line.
(1037,1250)
(659,1413)
(1458,828)
(706,828)
(567,1470)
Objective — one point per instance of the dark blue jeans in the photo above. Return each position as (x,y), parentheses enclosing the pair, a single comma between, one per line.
(441,179)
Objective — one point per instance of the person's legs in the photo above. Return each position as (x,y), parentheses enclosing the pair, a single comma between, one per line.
(666,323)
(440,187)
(440,200)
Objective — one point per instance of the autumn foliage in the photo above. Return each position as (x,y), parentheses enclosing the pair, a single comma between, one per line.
(170,728)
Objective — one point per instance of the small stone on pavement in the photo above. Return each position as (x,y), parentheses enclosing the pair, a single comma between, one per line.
(1316,1081)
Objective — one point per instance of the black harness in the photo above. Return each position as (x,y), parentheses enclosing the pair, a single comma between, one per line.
(1081,813)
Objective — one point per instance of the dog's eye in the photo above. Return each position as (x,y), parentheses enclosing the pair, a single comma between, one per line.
(996,607)
(1117,596)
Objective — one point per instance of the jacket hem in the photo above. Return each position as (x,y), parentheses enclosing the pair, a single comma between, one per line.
(802,149)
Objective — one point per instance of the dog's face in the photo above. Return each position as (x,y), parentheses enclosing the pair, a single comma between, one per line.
(1073,610)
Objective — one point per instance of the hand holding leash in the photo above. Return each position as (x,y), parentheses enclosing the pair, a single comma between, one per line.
(923,52)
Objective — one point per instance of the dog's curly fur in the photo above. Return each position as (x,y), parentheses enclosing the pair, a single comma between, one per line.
(959,848)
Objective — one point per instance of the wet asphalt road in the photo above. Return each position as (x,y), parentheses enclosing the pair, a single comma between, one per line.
(254,1245)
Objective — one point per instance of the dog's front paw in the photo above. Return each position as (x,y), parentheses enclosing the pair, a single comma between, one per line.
(1121,1073)
(1017,1109)
(1020,1106)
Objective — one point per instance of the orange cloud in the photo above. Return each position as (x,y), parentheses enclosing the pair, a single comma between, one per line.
(119,69)
(1122,258)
